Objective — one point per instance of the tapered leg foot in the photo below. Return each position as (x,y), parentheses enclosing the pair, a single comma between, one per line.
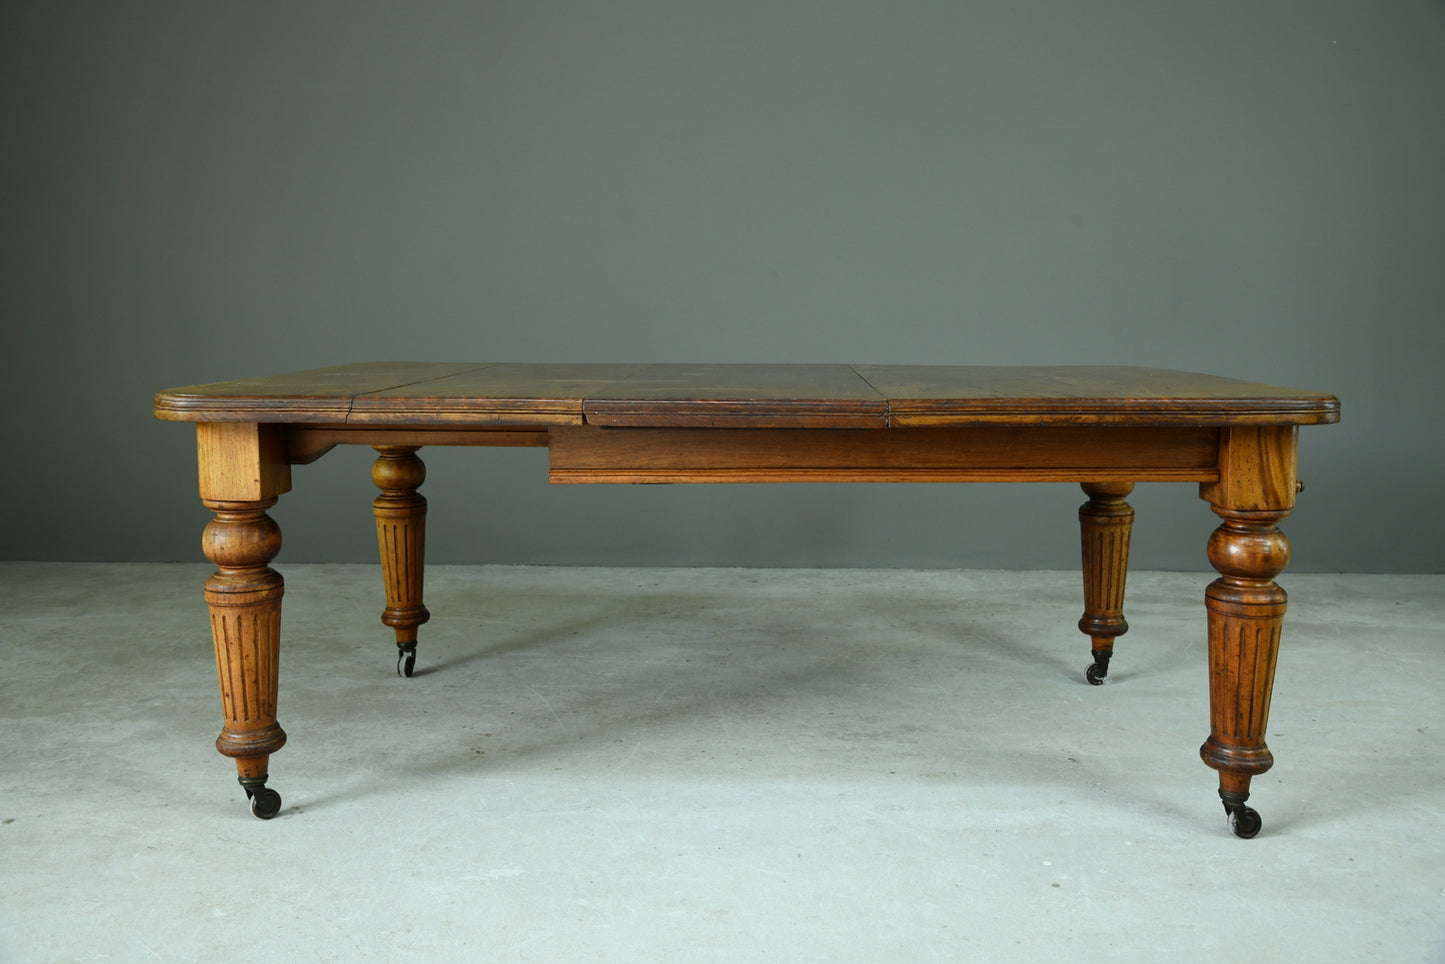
(1105,523)
(401,538)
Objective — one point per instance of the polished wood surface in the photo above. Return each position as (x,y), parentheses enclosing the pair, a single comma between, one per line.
(962,394)
(1105,428)
(802,396)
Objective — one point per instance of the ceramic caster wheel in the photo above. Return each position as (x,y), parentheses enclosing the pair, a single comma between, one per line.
(265,803)
(405,663)
(1095,674)
(1245,822)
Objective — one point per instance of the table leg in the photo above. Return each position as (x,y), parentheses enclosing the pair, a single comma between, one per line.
(1105,522)
(1246,611)
(1246,607)
(243,469)
(244,597)
(401,537)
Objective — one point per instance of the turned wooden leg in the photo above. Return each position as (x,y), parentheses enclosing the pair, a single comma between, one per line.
(1256,489)
(243,469)
(244,597)
(1105,522)
(1246,611)
(401,537)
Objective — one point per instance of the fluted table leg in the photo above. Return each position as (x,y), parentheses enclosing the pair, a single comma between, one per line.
(401,538)
(1246,607)
(244,597)
(242,471)
(1105,522)
(1246,612)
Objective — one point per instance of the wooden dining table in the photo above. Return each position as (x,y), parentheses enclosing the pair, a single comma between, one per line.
(1102,427)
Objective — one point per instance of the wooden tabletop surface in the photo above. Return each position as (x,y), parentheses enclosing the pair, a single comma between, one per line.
(781,395)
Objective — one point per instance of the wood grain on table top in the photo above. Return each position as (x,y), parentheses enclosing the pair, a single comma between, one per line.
(733,395)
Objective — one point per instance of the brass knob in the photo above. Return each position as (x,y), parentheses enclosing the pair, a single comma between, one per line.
(1299,485)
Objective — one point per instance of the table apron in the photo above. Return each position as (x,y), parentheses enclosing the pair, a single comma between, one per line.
(307,443)
(981,453)
(985,453)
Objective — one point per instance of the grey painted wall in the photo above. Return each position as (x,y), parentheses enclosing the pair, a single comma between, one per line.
(204,190)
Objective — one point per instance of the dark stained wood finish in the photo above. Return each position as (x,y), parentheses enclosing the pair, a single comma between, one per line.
(1104,427)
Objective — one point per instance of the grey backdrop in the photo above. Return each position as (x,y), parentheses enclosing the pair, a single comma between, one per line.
(203,190)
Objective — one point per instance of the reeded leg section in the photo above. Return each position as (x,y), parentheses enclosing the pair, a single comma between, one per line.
(401,538)
(1105,522)
(244,597)
(1246,611)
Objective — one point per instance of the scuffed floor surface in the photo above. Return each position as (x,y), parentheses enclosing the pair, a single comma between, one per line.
(642,765)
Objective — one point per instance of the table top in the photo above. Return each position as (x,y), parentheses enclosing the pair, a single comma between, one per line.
(766,396)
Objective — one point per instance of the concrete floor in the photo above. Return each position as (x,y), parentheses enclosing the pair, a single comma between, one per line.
(715,765)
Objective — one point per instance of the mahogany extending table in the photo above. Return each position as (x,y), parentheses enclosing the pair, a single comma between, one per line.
(1105,428)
